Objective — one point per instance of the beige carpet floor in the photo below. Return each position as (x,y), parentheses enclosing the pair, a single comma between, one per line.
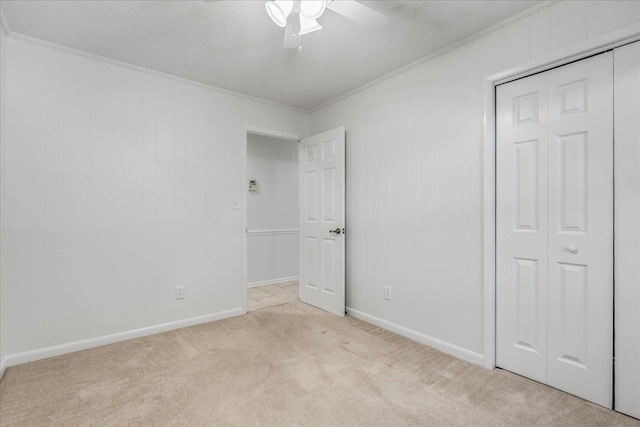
(285,365)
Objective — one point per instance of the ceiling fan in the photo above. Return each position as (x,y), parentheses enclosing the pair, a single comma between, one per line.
(300,17)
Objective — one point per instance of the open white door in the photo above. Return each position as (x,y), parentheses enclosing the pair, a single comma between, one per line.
(321,164)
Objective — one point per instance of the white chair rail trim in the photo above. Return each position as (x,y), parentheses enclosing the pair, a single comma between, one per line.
(272,232)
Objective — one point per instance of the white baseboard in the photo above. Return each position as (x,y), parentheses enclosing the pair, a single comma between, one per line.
(44,353)
(445,347)
(272,281)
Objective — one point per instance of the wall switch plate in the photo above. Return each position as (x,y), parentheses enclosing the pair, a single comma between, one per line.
(387,293)
(179,292)
(235,205)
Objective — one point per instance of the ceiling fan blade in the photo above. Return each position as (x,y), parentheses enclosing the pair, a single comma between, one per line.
(358,13)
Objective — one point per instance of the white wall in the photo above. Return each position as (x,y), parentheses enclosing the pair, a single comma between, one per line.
(272,211)
(415,177)
(117,186)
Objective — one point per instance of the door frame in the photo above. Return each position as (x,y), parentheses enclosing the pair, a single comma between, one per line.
(246,130)
(625,35)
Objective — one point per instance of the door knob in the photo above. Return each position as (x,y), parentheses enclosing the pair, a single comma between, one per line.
(336,231)
(572,249)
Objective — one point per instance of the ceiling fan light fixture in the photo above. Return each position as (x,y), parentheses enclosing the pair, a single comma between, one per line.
(312,9)
(308,25)
(279,10)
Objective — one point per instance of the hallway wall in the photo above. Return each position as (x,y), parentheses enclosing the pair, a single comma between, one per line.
(272,210)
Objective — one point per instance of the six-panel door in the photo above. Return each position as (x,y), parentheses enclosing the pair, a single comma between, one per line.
(554,216)
(322,220)
(580,255)
(521,227)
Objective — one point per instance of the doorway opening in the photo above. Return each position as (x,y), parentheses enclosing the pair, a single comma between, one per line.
(319,209)
(271,209)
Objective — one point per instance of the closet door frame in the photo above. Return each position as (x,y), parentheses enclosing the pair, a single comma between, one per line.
(573,53)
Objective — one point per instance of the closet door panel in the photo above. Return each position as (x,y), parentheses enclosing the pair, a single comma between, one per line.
(627,225)
(522,227)
(580,233)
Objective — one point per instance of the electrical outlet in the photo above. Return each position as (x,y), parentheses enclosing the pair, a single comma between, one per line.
(387,293)
(179,292)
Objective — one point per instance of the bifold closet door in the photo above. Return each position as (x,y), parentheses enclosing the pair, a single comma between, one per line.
(521,227)
(555,228)
(627,220)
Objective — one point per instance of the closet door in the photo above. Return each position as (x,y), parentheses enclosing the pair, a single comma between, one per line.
(580,263)
(521,227)
(627,220)
(554,228)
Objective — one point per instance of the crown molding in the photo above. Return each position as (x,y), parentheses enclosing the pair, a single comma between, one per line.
(81,53)
(517,17)
(4,25)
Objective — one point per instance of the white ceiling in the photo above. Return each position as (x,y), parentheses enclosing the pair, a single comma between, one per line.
(234,45)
